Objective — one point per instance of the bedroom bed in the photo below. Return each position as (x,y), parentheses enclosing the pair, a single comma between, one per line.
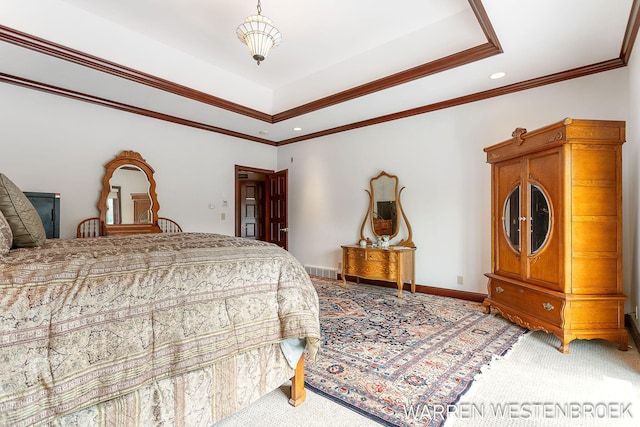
(138,327)
(170,328)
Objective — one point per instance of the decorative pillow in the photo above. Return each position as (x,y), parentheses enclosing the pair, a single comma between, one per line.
(6,236)
(22,217)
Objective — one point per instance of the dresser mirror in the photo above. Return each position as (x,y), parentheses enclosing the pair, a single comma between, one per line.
(383,206)
(385,214)
(128,202)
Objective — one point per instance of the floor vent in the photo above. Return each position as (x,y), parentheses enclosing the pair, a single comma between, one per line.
(329,273)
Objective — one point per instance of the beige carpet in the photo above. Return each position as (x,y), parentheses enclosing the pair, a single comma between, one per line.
(536,381)
(595,385)
(533,385)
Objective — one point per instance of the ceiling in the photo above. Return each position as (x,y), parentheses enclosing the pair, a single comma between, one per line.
(342,64)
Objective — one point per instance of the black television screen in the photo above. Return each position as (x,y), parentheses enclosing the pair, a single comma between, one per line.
(48,207)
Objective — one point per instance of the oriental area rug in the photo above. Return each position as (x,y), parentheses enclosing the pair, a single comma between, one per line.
(401,361)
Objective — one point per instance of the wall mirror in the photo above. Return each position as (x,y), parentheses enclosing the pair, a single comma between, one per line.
(385,216)
(128,202)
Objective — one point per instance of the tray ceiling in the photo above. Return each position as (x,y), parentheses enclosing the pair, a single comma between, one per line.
(341,64)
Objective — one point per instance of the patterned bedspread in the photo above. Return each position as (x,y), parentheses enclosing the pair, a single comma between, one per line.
(85,320)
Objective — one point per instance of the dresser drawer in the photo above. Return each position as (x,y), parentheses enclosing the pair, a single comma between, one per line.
(379,270)
(350,269)
(537,303)
(390,265)
(353,254)
(370,263)
(369,254)
(371,269)
(382,256)
(353,260)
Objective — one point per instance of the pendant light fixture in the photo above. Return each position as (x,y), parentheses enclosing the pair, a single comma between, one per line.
(259,34)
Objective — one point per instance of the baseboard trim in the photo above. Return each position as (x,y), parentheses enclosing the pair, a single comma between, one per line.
(633,330)
(431,290)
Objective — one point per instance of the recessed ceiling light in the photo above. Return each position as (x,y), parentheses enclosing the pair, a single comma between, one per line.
(297,129)
(499,75)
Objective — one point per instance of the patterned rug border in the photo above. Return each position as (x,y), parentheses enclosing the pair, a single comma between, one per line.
(459,393)
(470,385)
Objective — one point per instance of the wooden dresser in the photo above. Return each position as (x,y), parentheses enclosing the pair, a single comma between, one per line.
(557,230)
(393,264)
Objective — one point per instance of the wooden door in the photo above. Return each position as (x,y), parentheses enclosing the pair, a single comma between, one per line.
(252,210)
(507,218)
(544,262)
(114,206)
(141,208)
(277,204)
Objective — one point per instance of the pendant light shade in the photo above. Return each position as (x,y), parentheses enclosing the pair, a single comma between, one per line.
(259,34)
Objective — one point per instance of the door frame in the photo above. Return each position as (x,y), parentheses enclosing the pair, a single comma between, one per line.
(238,214)
(277,196)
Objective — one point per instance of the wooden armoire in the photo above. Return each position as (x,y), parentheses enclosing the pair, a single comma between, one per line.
(557,230)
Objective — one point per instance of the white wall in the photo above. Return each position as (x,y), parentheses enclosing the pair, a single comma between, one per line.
(631,196)
(439,158)
(55,144)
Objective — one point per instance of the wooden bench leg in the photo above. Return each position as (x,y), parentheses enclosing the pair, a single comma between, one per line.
(298,393)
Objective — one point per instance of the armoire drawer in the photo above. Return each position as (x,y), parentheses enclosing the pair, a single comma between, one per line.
(537,303)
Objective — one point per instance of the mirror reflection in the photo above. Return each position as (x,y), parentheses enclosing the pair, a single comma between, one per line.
(539,218)
(511,218)
(385,218)
(128,201)
(384,213)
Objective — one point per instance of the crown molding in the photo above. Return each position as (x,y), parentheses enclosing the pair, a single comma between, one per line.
(37,44)
(490,48)
(104,102)
(478,96)
(55,50)
(631,32)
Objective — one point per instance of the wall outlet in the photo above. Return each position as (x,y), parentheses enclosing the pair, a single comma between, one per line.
(340,269)
(460,280)
(636,312)
(222,216)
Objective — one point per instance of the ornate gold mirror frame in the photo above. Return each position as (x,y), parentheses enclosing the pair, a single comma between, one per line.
(390,221)
(132,160)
